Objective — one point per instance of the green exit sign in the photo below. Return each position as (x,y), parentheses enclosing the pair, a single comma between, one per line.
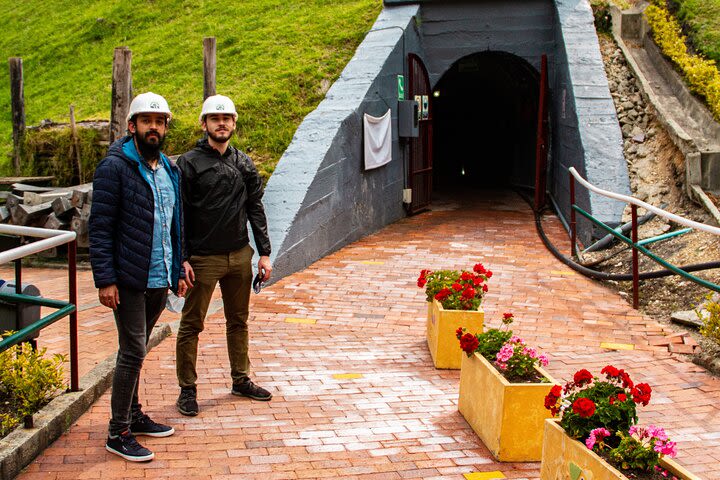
(401,87)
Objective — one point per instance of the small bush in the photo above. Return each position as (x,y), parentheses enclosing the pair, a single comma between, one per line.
(701,74)
(710,320)
(28,381)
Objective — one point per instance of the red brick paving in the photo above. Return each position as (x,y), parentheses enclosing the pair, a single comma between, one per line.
(399,420)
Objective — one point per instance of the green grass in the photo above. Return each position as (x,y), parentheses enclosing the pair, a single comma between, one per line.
(275,60)
(702,19)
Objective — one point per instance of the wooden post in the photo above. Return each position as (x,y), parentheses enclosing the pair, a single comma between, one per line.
(75,149)
(209,63)
(17,99)
(121,92)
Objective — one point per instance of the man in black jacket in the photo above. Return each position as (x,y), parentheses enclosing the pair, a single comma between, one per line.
(136,255)
(222,191)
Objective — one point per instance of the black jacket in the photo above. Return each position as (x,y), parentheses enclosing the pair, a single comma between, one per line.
(220,194)
(122,220)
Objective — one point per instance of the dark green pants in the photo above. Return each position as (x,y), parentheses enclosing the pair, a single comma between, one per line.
(234,272)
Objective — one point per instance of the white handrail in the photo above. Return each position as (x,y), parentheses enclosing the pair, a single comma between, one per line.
(52,238)
(634,201)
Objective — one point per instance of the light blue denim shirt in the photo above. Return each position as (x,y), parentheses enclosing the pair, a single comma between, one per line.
(163,190)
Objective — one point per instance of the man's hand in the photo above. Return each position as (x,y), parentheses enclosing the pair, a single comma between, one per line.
(182,288)
(189,275)
(265,266)
(109,296)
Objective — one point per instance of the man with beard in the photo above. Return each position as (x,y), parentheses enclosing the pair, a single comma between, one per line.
(136,255)
(221,192)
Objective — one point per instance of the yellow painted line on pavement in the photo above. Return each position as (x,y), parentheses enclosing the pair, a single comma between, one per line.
(310,321)
(617,346)
(347,376)
(483,475)
(562,272)
(372,262)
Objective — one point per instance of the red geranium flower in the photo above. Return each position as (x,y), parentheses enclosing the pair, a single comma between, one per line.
(641,393)
(507,315)
(488,274)
(459,332)
(582,377)
(469,343)
(627,383)
(552,398)
(584,407)
(478,268)
(469,292)
(457,287)
(610,371)
(622,397)
(485,288)
(442,294)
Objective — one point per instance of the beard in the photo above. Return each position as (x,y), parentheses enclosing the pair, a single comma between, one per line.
(221,136)
(150,144)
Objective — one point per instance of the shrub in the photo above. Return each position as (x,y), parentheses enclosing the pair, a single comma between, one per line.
(711,321)
(28,380)
(700,74)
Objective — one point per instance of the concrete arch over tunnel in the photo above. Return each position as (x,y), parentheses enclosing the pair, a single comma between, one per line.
(485,122)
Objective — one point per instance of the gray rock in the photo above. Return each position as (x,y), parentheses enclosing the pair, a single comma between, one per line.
(686,317)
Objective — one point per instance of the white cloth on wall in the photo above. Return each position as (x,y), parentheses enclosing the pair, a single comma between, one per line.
(378,140)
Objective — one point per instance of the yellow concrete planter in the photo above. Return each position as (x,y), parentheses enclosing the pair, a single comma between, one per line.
(441,338)
(564,458)
(508,417)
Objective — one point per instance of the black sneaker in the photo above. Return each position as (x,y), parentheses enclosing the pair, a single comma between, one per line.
(145,426)
(128,448)
(187,401)
(249,389)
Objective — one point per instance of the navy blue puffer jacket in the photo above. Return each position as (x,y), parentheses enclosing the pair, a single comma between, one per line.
(121,222)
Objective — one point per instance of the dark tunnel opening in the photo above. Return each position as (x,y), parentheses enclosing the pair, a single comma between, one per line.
(485,123)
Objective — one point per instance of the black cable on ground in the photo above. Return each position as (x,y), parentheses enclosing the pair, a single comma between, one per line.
(610,276)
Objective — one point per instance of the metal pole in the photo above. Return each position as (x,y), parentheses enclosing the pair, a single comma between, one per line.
(573,223)
(72,294)
(541,140)
(635,266)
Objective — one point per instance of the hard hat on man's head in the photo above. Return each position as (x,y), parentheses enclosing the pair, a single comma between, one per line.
(219,104)
(149,103)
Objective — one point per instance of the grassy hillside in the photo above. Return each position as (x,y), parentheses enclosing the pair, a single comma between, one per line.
(275,60)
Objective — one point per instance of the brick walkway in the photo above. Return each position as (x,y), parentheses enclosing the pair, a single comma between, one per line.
(359,311)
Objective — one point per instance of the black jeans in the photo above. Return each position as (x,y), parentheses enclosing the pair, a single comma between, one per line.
(135,318)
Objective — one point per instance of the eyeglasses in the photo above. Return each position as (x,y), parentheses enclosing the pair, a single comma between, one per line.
(257,283)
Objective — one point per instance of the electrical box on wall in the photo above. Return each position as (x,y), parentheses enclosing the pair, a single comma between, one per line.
(408,118)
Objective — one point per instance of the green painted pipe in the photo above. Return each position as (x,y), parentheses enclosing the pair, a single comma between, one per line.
(19,336)
(665,236)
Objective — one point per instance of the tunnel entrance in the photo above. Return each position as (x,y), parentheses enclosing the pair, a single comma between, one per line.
(485,123)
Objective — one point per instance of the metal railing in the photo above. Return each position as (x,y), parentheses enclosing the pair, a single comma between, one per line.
(637,246)
(50,239)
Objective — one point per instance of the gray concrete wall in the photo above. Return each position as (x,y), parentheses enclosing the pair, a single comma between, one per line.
(586,134)
(320,198)
(452,30)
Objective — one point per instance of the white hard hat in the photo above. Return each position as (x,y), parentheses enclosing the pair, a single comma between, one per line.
(218,104)
(149,103)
